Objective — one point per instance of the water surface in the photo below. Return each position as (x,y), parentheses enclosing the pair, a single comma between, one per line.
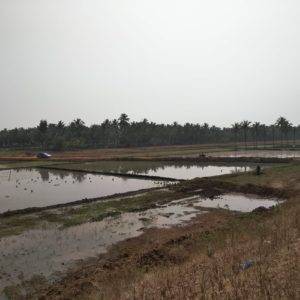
(47,251)
(161,169)
(22,188)
(234,202)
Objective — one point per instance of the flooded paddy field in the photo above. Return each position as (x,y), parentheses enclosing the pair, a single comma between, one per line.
(45,245)
(49,250)
(234,202)
(258,153)
(176,170)
(24,188)
(24,164)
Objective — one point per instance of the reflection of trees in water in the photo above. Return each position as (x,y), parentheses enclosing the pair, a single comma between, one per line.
(147,167)
(79,177)
(140,167)
(45,174)
(59,174)
(75,176)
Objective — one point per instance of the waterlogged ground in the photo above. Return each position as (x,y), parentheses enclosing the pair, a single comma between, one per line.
(160,169)
(50,249)
(258,153)
(234,202)
(23,188)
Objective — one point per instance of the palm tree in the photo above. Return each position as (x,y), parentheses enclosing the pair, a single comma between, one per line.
(264,133)
(123,120)
(123,123)
(236,127)
(273,135)
(42,129)
(60,125)
(284,125)
(256,127)
(245,126)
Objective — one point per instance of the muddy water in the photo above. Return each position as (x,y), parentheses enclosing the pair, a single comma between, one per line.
(47,251)
(43,187)
(234,202)
(50,250)
(162,169)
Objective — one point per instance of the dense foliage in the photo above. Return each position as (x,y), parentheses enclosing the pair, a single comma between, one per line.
(123,133)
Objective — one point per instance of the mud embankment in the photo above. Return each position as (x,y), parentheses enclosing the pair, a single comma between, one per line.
(211,159)
(31,210)
(213,187)
(199,159)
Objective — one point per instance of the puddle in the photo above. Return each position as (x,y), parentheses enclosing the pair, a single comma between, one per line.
(161,169)
(234,202)
(24,188)
(48,251)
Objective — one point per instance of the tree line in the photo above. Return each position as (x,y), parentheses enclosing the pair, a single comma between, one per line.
(122,132)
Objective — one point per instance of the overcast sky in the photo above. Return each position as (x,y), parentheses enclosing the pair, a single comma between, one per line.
(200,61)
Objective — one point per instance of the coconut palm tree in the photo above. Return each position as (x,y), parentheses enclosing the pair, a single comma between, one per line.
(284,125)
(245,126)
(264,133)
(60,125)
(273,135)
(256,127)
(294,137)
(235,127)
(42,130)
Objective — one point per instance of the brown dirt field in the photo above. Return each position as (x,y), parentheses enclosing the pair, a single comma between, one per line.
(113,153)
(182,152)
(116,152)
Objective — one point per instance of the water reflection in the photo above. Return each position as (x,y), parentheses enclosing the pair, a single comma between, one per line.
(43,187)
(44,173)
(47,173)
(162,169)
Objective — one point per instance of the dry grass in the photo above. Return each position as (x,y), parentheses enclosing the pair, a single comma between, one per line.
(216,273)
(133,152)
(285,177)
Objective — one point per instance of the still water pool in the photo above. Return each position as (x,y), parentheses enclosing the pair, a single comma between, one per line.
(23,188)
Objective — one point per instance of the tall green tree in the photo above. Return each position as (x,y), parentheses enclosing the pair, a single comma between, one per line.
(123,123)
(284,126)
(42,129)
(256,128)
(235,127)
(245,127)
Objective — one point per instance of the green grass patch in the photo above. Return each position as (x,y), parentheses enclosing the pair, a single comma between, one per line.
(98,211)
(280,176)
(17,224)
